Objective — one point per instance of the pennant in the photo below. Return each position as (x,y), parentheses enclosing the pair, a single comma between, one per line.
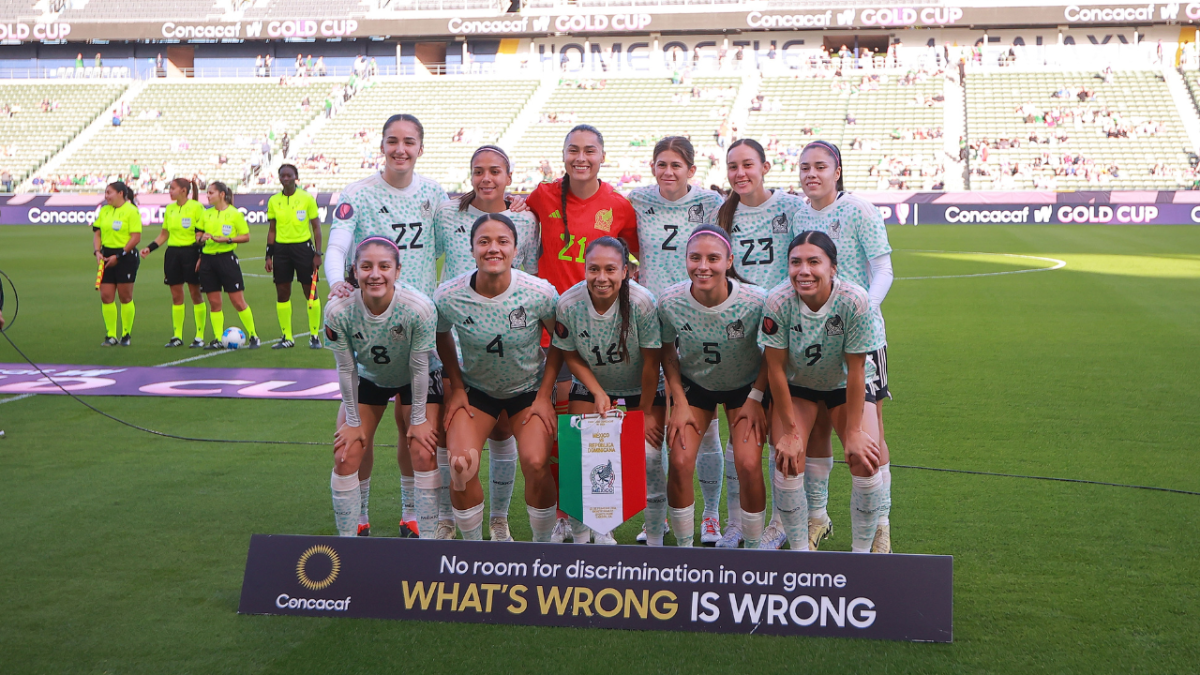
(602,468)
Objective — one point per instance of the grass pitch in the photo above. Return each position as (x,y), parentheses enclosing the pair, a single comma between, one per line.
(123,552)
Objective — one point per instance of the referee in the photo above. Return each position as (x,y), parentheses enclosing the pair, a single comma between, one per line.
(293,242)
(116,233)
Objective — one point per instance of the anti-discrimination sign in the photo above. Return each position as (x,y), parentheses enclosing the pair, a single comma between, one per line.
(886,597)
(602,468)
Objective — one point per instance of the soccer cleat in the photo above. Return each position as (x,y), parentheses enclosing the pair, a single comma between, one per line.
(314,342)
(498,528)
(710,531)
(732,537)
(883,540)
(197,343)
(215,344)
(818,531)
(606,539)
(126,340)
(641,538)
(773,537)
(445,529)
(283,344)
(408,529)
(562,529)
(175,342)
(364,529)
(253,342)
(109,342)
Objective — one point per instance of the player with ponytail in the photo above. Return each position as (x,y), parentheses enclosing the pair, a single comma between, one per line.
(116,233)
(224,228)
(182,222)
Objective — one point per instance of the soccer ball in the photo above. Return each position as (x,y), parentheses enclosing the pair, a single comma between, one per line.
(233,337)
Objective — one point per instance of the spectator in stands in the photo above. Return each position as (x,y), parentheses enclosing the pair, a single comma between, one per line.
(98,64)
(6,180)
(319,68)
(299,65)
(135,170)
(116,118)
(308,64)
(79,61)
(268,63)
(285,145)
(373,70)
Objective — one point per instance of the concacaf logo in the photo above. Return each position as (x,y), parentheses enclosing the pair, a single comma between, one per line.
(335,566)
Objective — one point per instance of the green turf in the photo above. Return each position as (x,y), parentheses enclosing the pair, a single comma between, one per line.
(124,553)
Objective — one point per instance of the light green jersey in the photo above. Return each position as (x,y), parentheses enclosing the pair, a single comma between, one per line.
(500,337)
(372,208)
(760,237)
(816,342)
(227,223)
(718,347)
(452,229)
(596,337)
(663,228)
(854,224)
(382,344)
(182,222)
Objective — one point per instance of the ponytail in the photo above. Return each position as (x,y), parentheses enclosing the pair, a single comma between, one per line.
(729,208)
(125,190)
(837,159)
(623,305)
(467,197)
(223,189)
(188,185)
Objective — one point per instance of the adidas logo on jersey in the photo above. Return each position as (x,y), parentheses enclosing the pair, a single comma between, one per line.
(687,327)
(650,211)
(736,229)
(798,328)
(461,230)
(383,211)
(556,214)
(359,336)
(584,333)
(469,322)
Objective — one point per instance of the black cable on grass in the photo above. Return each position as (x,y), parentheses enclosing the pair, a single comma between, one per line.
(16,300)
(1050,478)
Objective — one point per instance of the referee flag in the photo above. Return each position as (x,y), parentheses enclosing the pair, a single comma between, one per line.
(602,468)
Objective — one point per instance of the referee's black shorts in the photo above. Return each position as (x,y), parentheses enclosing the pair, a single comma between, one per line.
(293,261)
(126,269)
(179,265)
(220,272)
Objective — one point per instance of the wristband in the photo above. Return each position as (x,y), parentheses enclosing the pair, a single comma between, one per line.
(270,250)
(755,395)
(153,246)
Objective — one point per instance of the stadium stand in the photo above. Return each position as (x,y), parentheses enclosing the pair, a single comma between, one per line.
(145,10)
(1073,130)
(309,9)
(37,120)
(19,10)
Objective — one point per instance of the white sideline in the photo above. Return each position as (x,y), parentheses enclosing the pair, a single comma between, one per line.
(15,398)
(1058,264)
(217,352)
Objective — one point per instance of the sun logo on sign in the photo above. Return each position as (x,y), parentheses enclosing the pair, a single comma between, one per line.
(335,566)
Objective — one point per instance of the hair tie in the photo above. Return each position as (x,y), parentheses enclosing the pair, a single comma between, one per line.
(377,240)
(715,233)
(837,155)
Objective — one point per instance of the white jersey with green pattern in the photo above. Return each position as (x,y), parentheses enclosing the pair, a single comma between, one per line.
(452,229)
(718,347)
(663,228)
(856,226)
(381,344)
(761,235)
(500,337)
(372,208)
(816,342)
(595,336)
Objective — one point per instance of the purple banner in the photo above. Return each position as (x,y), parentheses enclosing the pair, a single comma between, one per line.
(941,213)
(81,209)
(279,383)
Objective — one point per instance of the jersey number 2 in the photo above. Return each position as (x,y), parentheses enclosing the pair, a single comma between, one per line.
(401,229)
(563,255)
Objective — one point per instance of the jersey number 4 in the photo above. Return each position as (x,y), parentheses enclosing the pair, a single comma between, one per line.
(402,229)
(496,347)
(766,244)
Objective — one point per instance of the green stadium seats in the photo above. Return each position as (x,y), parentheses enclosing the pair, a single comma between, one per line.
(35,135)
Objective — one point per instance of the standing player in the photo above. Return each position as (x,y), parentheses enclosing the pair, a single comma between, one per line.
(497,314)
(864,258)
(182,223)
(491,174)
(381,337)
(817,331)
(224,228)
(608,331)
(293,245)
(666,213)
(115,236)
(715,317)
(397,203)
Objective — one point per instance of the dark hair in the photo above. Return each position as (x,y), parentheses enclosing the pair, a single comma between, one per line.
(125,190)
(677,144)
(469,196)
(405,117)
(725,215)
(499,218)
(292,167)
(623,308)
(187,184)
(566,179)
(223,189)
(820,240)
(713,230)
(377,241)
(834,152)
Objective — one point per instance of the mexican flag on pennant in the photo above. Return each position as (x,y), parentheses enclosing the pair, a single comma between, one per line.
(602,468)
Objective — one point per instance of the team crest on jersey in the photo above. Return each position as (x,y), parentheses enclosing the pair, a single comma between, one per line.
(398,332)
(780,223)
(604,479)
(769,326)
(560,330)
(835,229)
(736,330)
(517,318)
(344,211)
(426,208)
(604,220)
(835,326)
(696,213)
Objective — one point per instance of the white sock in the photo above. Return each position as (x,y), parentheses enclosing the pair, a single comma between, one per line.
(710,469)
(502,474)
(885,506)
(774,499)
(865,496)
(733,486)
(683,524)
(816,485)
(793,508)
(470,522)
(408,499)
(345,503)
(656,496)
(445,510)
(541,522)
(427,484)
(364,495)
(752,527)
(580,533)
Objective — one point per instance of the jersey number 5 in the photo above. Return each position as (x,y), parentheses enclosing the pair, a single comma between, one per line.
(401,229)
(714,356)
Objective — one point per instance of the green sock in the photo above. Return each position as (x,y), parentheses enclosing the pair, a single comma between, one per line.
(127,312)
(218,322)
(201,314)
(177,320)
(247,318)
(314,317)
(284,310)
(109,310)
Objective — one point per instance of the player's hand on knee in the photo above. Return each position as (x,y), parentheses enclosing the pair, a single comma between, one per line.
(543,409)
(789,454)
(344,440)
(861,448)
(654,432)
(681,418)
(753,421)
(423,438)
(456,401)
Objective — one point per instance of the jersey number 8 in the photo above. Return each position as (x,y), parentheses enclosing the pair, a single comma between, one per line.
(379,355)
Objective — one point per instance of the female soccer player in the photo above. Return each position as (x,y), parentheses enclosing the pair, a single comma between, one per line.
(666,212)
(224,228)
(182,223)
(381,336)
(817,331)
(608,331)
(715,316)
(497,314)
(864,258)
(293,247)
(491,174)
(115,236)
(397,203)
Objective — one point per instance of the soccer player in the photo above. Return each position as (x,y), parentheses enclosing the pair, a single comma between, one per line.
(666,212)
(224,228)
(817,331)
(491,174)
(293,246)
(182,222)
(607,328)
(497,315)
(397,203)
(864,258)
(381,336)
(115,236)
(714,315)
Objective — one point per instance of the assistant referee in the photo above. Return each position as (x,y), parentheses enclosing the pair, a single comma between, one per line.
(116,233)
(293,245)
